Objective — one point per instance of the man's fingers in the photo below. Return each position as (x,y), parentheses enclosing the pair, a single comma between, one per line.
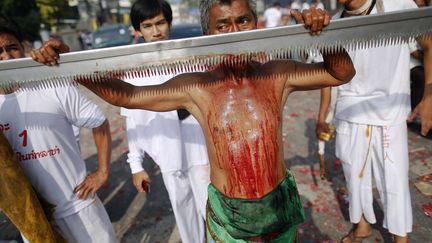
(314,20)
(37,56)
(320,22)
(139,188)
(84,193)
(425,129)
(33,55)
(79,187)
(307,18)
(327,19)
(297,16)
(52,54)
(93,193)
(48,58)
(412,116)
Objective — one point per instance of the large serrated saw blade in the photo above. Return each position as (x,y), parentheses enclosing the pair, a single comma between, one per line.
(187,54)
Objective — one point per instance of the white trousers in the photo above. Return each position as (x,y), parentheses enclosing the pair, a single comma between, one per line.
(381,152)
(187,191)
(90,225)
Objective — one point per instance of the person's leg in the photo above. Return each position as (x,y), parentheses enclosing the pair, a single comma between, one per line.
(189,222)
(91,224)
(353,142)
(391,172)
(19,201)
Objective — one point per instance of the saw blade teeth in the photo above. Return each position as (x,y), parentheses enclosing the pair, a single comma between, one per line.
(166,69)
(214,61)
(138,72)
(392,41)
(153,70)
(148,71)
(162,69)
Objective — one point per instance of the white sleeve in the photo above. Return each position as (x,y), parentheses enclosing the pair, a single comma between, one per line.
(413,46)
(80,111)
(124,112)
(136,154)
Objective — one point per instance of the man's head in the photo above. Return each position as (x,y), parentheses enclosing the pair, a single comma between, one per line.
(352,4)
(10,40)
(152,18)
(421,3)
(224,16)
(277,5)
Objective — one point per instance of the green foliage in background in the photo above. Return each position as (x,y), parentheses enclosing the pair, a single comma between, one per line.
(30,14)
(25,13)
(54,11)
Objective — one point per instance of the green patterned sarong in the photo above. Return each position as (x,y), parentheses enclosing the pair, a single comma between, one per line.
(272,218)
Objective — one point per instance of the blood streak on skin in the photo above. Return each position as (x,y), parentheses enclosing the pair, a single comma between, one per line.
(244,128)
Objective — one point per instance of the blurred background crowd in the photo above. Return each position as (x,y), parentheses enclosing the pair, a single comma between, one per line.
(88,24)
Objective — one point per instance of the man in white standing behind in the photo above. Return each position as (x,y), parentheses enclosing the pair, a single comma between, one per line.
(273,15)
(371,130)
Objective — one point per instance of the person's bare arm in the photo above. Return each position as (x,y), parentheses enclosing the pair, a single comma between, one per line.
(336,69)
(170,95)
(424,108)
(322,125)
(95,180)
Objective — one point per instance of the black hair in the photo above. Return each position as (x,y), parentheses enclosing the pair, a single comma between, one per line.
(9,26)
(146,9)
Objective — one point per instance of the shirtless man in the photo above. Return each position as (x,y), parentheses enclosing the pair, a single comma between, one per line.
(240,111)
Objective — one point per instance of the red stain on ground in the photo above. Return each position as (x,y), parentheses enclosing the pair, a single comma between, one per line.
(427,209)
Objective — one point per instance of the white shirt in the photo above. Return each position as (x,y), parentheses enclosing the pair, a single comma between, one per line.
(320,6)
(414,62)
(38,125)
(272,17)
(296,5)
(379,94)
(193,141)
(155,133)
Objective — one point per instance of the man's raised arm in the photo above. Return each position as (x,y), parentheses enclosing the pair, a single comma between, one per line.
(337,67)
(424,108)
(168,96)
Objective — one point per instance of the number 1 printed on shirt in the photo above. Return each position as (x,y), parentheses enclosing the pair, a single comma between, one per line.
(24,136)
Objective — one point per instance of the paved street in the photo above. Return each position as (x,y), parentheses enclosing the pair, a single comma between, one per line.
(139,218)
